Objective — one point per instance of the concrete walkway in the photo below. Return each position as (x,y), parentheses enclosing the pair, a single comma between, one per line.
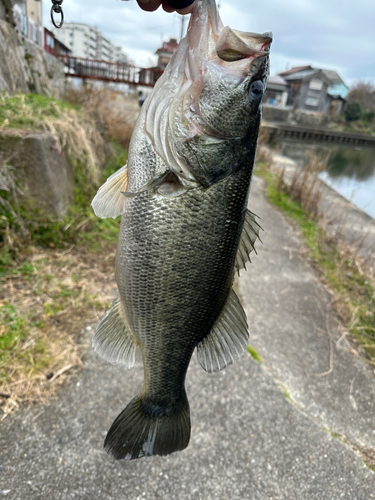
(259,430)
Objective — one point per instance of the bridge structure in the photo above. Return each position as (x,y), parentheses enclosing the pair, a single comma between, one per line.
(91,69)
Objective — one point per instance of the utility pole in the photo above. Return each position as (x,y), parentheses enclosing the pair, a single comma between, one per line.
(182,27)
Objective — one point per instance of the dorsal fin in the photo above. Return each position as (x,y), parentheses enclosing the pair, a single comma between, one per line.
(250,233)
(112,340)
(228,338)
(109,202)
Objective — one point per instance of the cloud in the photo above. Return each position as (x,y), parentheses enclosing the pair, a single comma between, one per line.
(333,34)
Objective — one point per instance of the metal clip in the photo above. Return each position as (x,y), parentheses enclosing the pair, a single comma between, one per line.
(57,9)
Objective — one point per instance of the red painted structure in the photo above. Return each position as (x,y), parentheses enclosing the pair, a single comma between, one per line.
(53,45)
(91,69)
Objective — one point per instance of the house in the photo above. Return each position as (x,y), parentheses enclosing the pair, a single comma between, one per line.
(277,91)
(165,52)
(53,45)
(315,90)
(28,20)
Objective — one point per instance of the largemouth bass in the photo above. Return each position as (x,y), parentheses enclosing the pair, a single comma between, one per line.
(185,228)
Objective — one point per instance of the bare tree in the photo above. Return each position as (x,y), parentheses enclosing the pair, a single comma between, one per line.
(364,93)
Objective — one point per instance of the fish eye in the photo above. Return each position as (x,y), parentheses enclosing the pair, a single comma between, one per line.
(256,89)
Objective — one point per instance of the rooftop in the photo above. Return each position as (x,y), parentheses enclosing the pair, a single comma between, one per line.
(301,72)
(294,70)
(277,80)
(169,47)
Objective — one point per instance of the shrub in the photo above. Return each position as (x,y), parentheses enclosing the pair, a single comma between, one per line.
(368,116)
(352,111)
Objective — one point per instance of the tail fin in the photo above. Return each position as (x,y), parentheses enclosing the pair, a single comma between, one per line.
(144,430)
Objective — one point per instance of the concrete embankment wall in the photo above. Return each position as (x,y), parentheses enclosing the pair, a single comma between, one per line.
(26,68)
(44,173)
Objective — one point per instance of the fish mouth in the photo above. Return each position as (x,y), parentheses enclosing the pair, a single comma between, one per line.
(233,45)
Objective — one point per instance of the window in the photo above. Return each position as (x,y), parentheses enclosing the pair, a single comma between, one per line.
(50,42)
(315,84)
(312,101)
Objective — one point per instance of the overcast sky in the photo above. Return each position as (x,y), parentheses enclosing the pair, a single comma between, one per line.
(331,34)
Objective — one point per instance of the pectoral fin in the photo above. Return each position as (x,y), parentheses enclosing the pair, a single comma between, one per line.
(228,338)
(152,184)
(108,201)
(250,233)
(112,340)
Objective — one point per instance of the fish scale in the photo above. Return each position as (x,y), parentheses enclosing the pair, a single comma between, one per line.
(185,229)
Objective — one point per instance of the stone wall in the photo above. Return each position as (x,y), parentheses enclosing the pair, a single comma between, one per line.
(275,114)
(46,178)
(303,117)
(26,68)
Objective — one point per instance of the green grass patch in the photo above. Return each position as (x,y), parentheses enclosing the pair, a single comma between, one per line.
(353,291)
(254,354)
(14,337)
(29,110)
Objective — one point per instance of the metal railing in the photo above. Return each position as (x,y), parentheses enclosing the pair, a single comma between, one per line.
(91,69)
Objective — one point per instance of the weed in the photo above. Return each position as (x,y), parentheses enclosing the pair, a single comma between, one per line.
(254,354)
(288,396)
(335,435)
(367,454)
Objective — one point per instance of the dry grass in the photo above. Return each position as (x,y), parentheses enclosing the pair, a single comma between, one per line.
(44,304)
(304,186)
(74,131)
(119,111)
(81,141)
(264,152)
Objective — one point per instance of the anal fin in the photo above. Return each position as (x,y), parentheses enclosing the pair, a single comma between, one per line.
(112,340)
(227,340)
(250,233)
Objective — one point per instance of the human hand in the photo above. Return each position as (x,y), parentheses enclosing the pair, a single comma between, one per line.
(181,6)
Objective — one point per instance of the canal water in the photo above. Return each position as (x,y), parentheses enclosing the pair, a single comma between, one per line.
(348,170)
